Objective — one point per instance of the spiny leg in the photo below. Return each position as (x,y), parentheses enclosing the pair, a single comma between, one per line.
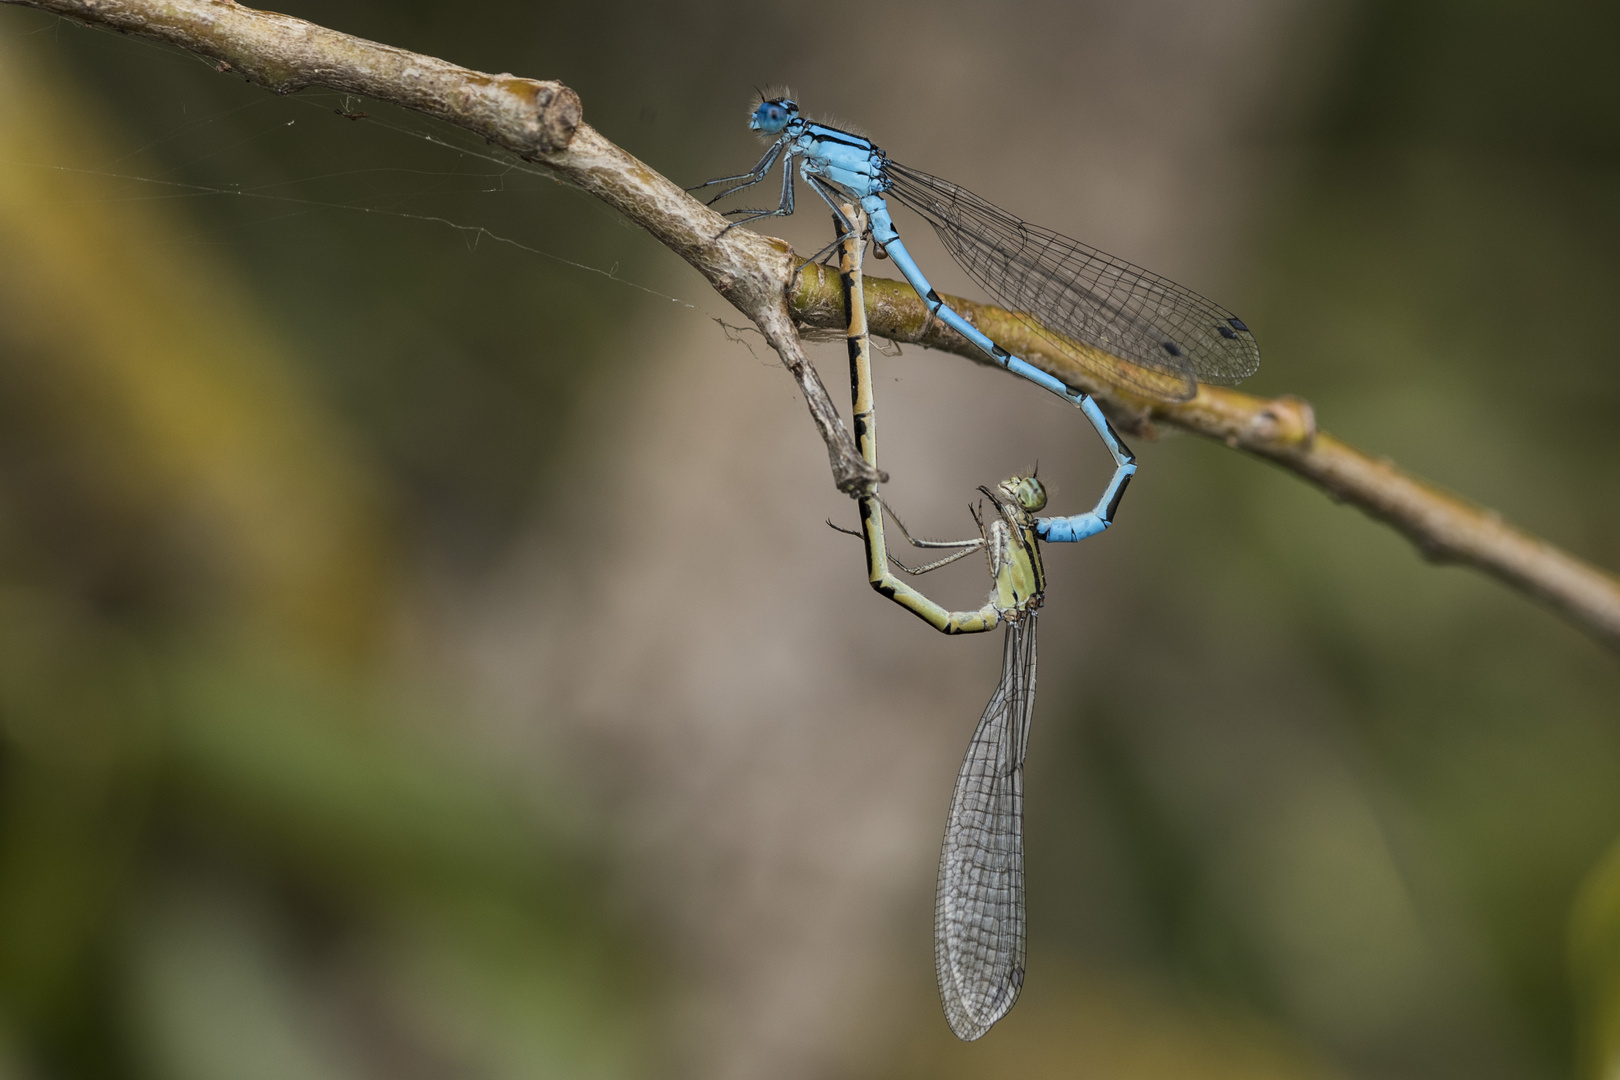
(749,178)
(784,209)
(916,571)
(975,543)
(820,254)
(969,548)
(817,257)
(842,225)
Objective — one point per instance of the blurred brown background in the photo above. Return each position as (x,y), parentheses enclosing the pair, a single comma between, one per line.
(423,656)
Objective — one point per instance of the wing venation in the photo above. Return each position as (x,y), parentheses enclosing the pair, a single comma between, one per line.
(979,908)
(1170,337)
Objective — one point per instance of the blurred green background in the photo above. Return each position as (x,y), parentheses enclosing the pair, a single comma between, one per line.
(423,656)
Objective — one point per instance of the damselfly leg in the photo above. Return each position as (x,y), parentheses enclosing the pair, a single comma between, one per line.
(783,209)
(749,178)
(968,547)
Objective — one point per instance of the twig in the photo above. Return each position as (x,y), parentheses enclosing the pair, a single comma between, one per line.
(538,121)
(1445,528)
(541,122)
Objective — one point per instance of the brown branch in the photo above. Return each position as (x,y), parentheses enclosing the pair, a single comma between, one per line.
(540,122)
(1444,528)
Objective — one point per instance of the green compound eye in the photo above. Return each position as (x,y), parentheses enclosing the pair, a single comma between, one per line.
(1030,492)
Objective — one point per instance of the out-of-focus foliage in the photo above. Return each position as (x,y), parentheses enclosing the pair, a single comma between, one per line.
(1397,879)
(1595,957)
(221,852)
(1300,805)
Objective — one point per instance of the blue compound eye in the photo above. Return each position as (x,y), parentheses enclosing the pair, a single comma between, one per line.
(773,116)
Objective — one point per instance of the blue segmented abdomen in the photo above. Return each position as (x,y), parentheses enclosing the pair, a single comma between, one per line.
(1068,530)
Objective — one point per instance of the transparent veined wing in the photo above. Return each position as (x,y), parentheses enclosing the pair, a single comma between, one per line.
(1063,289)
(979,908)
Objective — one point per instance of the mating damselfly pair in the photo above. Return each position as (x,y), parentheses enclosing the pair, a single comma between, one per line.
(1123,326)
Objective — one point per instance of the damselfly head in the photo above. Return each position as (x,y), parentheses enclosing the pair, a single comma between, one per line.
(773,114)
(1026,491)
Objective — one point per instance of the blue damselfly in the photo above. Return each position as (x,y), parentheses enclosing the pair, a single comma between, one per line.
(1121,323)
